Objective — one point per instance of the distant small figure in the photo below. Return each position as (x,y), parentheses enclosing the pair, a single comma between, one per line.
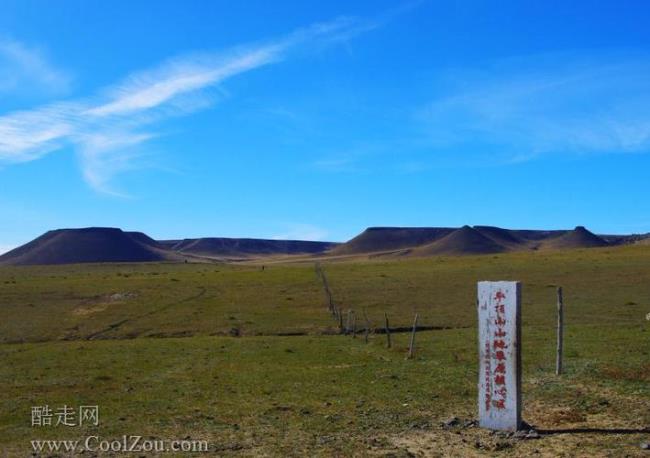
(262,268)
(647,317)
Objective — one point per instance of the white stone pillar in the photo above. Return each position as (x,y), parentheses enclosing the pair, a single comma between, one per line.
(499,324)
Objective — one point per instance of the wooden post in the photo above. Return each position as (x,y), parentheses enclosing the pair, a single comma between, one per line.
(320,273)
(328,293)
(412,343)
(560,331)
(340,320)
(365,316)
(389,344)
(354,325)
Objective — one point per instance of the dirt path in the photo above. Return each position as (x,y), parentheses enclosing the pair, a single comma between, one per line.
(116,325)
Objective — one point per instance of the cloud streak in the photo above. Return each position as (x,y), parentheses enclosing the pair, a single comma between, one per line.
(107,129)
(23,68)
(521,108)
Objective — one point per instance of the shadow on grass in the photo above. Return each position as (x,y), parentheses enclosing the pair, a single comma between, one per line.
(594,431)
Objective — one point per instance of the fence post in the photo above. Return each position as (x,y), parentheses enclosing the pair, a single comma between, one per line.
(365,316)
(412,343)
(354,325)
(320,273)
(328,293)
(389,344)
(560,331)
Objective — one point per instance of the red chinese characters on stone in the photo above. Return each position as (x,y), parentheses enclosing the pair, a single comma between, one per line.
(499,403)
(497,388)
(488,379)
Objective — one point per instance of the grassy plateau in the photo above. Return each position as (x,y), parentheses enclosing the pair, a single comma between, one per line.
(249,359)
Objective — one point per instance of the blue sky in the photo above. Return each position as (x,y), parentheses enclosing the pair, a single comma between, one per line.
(314,120)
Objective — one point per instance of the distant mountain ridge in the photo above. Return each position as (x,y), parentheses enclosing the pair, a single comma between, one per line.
(222,246)
(468,240)
(391,238)
(105,244)
(101,244)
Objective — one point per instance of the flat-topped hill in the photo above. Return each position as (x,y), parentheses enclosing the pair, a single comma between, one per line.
(376,239)
(93,244)
(430,241)
(466,240)
(580,237)
(234,247)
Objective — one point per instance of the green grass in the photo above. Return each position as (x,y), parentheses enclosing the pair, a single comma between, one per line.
(317,394)
(70,302)
(304,395)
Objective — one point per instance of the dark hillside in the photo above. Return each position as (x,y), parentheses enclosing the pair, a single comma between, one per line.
(376,239)
(463,241)
(94,244)
(220,246)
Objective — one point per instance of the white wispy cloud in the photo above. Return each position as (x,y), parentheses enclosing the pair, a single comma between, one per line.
(106,129)
(104,154)
(521,108)
(27,69)
(28,135)
(148,90)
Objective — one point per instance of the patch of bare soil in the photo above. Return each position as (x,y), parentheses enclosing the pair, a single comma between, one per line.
(477,442)
(100,303)
(558,431)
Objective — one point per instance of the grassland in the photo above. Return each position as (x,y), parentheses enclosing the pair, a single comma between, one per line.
(91,335)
